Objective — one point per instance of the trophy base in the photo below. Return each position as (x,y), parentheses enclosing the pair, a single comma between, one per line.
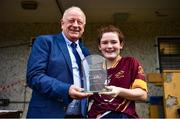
(97,91)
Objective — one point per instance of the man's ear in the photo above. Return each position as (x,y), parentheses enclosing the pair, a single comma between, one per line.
(61,23)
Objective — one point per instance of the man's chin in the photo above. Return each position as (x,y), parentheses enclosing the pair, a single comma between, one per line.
(75,37)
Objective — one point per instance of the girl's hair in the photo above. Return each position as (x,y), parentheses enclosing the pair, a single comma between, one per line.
(110,28)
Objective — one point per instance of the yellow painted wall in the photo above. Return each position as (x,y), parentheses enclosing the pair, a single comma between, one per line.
(171,93)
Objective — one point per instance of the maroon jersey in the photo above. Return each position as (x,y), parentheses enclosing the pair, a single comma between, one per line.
(127,73)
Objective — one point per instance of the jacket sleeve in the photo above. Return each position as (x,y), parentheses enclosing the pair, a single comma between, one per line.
(37,78)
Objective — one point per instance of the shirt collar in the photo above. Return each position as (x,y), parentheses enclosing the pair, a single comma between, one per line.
(68,42)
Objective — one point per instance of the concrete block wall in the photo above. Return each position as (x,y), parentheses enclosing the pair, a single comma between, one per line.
(15,47)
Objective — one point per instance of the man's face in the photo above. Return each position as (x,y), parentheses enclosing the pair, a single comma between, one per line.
(73,24)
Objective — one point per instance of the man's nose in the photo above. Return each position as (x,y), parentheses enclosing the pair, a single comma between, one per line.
(75,23)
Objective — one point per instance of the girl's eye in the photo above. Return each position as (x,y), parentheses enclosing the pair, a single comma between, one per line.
(104,42)
(114,42)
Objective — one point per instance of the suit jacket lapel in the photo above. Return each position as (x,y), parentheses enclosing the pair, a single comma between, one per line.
(63,47)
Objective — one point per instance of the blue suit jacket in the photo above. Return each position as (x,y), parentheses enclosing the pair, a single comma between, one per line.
(49,74)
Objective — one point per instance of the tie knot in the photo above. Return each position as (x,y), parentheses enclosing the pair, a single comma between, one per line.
(73,45)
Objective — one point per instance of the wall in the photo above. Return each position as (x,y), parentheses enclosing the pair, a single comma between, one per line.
(15,47)
(14,50)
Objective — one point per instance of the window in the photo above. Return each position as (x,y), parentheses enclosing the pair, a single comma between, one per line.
(169,53)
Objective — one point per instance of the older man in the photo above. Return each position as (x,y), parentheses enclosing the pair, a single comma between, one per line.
(54,71)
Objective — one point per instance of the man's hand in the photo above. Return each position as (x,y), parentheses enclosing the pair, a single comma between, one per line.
(76,92)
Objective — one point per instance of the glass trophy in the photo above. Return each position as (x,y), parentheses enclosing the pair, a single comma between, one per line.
(94,71)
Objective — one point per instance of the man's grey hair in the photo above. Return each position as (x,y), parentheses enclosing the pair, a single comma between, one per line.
(72,8)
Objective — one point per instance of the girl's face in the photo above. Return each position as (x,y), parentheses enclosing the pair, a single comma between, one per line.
(110,45)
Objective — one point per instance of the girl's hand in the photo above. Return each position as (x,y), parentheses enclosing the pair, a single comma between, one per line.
(112,91)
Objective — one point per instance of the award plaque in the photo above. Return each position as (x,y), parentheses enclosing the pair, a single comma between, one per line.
(94,71)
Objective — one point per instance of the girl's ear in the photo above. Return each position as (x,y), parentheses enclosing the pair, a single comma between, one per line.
(99,47)
(121,45)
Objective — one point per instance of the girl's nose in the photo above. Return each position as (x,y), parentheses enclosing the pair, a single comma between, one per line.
(109,45)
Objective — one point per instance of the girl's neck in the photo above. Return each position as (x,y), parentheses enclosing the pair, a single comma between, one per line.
(113,63)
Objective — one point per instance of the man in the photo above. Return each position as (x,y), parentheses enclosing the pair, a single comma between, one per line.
(53,71)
